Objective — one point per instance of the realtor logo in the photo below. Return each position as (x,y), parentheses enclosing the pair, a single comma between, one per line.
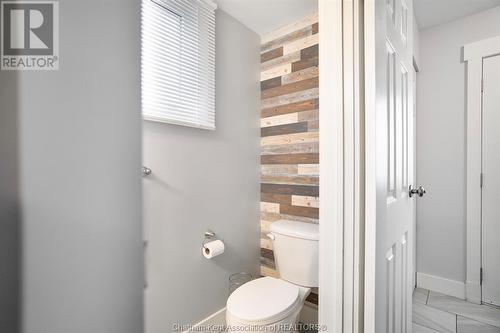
(29,35)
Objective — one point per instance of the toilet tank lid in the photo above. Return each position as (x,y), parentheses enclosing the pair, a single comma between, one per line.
(303,230)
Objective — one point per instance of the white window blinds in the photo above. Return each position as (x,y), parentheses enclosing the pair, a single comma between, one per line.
(178,62)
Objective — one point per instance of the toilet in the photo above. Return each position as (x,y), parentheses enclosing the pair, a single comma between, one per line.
(272,304)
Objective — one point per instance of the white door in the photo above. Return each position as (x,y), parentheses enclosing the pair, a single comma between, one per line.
(389,165)
(491,181)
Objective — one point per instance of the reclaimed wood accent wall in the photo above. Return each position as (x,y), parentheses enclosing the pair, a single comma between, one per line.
(289,130)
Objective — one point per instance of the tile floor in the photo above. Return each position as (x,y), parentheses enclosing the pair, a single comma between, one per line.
(434,312)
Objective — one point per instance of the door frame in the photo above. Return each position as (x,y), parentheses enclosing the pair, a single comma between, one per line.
(473,56)
(341,244)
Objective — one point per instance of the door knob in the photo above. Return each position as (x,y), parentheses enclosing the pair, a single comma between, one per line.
(146,171)
(420,191)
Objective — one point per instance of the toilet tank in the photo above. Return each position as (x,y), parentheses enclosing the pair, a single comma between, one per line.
(296,251)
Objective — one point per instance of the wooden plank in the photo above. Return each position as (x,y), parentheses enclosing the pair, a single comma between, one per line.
(288,58)
(299,218)
(305,201)
(278,169)
(300,211)
(266,262)
(275,72)
(304,74)
(266,271)
(288,38)
(290,139)
(276,198)
(302,64)
(308,169)
(291,108)
(310,52)
(313,125)
(280,120)
(315,28)
(306,190)
(313,298)
(266,253)
(284,129)
(308,158)
(308,115)
(298,96)
(265,226)
(290,179)
(309,20)
(271,83)
(269,207)
(290,88)
(300,44)
(271,217)
(276,53)
(309,147)
(266,243)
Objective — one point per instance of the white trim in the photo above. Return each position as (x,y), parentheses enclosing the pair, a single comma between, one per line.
(353,85)
(473,292)
(370,165)
(341,253)
(177,122)
(441,285)
(482,48)
(473,55)
(216,320)
(331,226)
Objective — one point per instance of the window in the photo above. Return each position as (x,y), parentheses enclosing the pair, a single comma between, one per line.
(178,62)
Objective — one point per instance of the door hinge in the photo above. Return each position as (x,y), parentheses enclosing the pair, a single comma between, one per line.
(481,276)
(481,180)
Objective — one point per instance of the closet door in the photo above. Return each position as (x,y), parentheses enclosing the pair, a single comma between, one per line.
(491,181)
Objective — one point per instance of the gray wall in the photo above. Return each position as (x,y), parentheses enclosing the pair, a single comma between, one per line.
(10,231)
(205,180)
(441,129)
(79,167)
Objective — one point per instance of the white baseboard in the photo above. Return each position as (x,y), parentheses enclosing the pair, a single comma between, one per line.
(213,323)
(441,285)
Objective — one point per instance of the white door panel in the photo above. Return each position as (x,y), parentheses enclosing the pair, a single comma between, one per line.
(393,129)
(491,181)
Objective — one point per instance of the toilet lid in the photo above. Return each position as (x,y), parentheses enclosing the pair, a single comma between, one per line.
(263,299)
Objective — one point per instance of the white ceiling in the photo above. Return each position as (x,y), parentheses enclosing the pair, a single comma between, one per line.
(264,16)
(434,12)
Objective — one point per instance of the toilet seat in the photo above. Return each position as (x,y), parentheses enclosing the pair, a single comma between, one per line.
(264,300)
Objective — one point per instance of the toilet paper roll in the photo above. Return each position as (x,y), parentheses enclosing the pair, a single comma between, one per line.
(213,249)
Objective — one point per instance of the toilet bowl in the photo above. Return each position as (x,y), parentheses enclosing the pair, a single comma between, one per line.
(264,303)
(270,304)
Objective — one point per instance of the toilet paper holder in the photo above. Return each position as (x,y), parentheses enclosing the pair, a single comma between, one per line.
(209,236)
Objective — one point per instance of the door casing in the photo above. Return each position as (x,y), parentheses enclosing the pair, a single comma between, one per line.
(341,252)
